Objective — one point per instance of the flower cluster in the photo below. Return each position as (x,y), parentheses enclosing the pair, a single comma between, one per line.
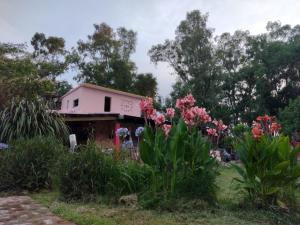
(265,125)
(146,106)
(170,112)
(186,102)
(192,115)
(139,131)
(122,132)
(219,128)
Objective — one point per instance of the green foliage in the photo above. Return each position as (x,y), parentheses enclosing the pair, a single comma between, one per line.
(139,85)
(29,164)
(235,76)
(240,130)
(190,54)
(89,173)
(289,117)
(104,59)
(181,165)
(269,170)
(29,119)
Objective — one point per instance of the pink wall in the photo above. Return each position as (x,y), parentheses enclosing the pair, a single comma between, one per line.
(92,101)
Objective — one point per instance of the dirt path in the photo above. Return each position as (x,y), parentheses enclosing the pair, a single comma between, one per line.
(22,210)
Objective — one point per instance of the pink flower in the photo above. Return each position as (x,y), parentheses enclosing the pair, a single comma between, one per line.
(190,100)
(212,132)
(185,103)
(159,119)
(180,104)
(188,117)
(146,106)
(220,125)
(170,112)
(146,103)
(201,114)
(167,129)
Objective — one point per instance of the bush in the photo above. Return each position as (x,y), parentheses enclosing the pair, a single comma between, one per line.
(89,173)
(270,171)
(30,118)
(180,163)
(289,117)
(28,164)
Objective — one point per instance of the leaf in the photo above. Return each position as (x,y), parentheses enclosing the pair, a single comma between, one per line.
(282,166)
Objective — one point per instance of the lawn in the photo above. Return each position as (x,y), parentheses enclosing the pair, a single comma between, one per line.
(227,212)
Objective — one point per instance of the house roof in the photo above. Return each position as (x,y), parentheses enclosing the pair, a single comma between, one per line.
(93,86)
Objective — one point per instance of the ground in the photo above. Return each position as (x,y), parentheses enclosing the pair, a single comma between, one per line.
(228,211)
(22,210)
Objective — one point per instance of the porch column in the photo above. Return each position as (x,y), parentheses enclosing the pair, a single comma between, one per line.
(117,138)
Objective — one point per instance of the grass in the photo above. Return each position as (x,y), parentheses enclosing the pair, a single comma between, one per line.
(228,212)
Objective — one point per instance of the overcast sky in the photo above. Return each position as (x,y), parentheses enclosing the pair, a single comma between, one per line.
(154,21)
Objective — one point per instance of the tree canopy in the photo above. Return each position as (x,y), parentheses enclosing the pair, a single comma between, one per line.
(104,59)
(236,76)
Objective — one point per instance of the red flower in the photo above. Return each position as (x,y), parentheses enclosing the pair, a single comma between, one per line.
(167,129)
(264,119)
(160,119)
(275,128)
(257,131)
(212,132)
(170,112)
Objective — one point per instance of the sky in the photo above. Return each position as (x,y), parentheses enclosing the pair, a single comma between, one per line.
(154,21)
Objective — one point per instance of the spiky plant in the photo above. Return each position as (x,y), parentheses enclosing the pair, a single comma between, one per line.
(30,118)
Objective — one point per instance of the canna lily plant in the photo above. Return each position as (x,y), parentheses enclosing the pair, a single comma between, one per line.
(177,153)
(270,171)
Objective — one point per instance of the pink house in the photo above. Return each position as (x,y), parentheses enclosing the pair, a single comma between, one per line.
(95,112)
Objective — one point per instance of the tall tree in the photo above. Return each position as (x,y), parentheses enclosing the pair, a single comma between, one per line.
(104,59)
(145,84)
(191,55)
(48,55)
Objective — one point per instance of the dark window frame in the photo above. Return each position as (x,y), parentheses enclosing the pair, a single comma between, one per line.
(76,102)
(107,104)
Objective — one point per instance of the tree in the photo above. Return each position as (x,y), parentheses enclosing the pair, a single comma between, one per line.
(48,55)
(191,55)
(62,87)
(104,59)
(19,77)
(145,84)
(289,117)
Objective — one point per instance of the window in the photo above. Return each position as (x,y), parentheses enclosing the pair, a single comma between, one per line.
(107,101)
(76,102)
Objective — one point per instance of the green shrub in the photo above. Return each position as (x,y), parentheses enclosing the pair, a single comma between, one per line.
(28,164)
(30,118)
(181,165)
(269,170)
(289,117)
(239,130)
(89,173)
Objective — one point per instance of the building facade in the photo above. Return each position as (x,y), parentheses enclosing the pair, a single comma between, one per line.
(95,112)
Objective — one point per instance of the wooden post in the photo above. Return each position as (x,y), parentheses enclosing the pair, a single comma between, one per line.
(117,138)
